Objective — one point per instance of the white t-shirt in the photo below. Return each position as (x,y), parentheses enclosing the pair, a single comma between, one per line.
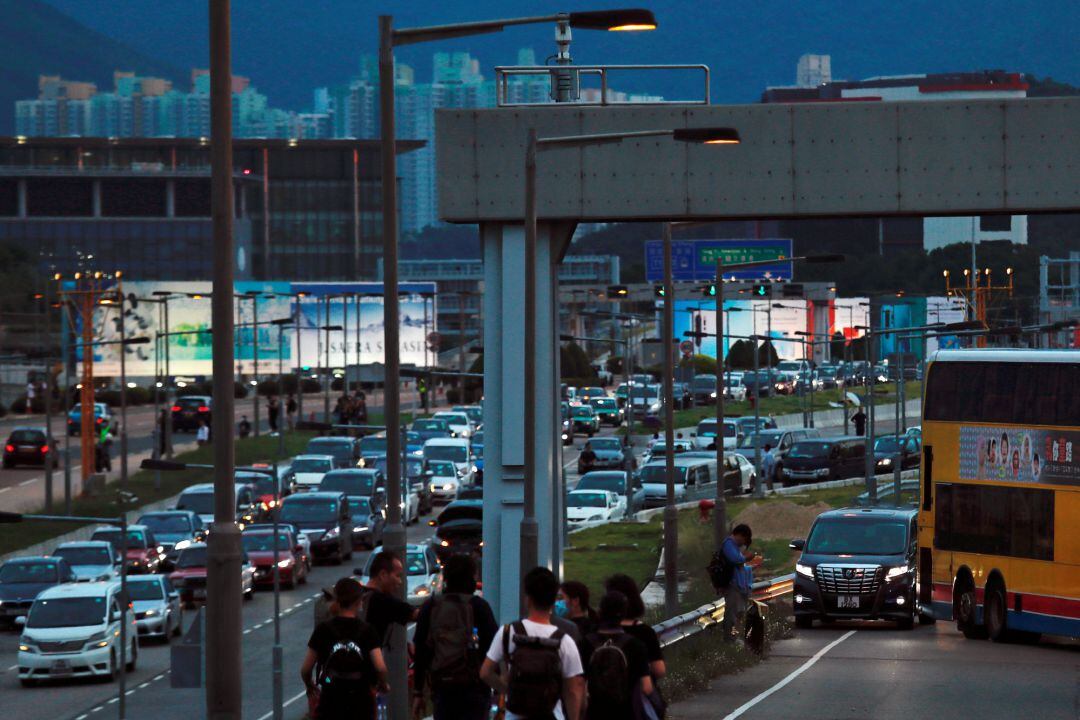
(568,655)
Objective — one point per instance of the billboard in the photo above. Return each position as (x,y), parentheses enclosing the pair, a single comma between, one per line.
(743,318)
(695,260)
(354,307)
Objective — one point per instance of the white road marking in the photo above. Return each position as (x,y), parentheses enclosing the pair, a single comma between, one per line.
(285,704)
(111,701)
(13,667)
(4,490)
(99,708)
(31,481)
(794,674)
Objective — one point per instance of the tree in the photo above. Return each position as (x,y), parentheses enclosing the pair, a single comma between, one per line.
(836,347)
(767,356)
(740,355)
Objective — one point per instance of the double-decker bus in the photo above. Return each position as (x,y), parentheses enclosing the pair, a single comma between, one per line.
(999,519)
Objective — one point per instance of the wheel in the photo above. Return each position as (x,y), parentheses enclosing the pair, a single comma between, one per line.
(966,615)
(130,667)
(804,622)
(111,677)
(8,464)
(926,619)
(995,615)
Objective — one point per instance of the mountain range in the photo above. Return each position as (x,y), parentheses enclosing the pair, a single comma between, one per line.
(289,47)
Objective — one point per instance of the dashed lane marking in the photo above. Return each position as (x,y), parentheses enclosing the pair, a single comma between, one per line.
(285,704)
(31,481)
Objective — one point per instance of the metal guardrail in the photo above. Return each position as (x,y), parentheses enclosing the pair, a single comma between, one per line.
(505,72)
(683,626)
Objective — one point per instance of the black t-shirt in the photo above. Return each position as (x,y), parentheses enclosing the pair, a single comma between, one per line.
(483,619)
(352,698)
(637,667)
(383,610)
(648,637)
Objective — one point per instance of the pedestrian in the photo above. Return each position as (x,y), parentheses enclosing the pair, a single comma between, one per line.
(544,676)
(273,410)
(163,424)
(421,387)
(290,412)
(31,391)
(202,435)
(859,418)
(346,651)
(615,664)
(768,464)
(452,631)
(633,624)
(572,603)
(587,459)
(383,609)
(244,428)
(732,578)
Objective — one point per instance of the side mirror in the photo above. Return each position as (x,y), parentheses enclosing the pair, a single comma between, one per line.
(797,544)
(174,595)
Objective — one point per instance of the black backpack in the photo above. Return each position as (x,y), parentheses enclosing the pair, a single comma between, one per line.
(345,665)
(455,648)
(720,570)
(535,686)
(609,670)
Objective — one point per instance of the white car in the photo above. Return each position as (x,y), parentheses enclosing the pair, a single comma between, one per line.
(459,422)
(593,506)
(410,506)
(92,560)
(747,472)
(735,390)
(307,471)
(73,630)
(705,436)
(659,449)
(422,570)
(458,451)
(443,480)
(156,606)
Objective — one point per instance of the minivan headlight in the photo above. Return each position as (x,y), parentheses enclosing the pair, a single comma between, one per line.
(804,570)
(897,572)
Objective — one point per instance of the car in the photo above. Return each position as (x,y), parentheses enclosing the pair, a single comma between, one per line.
(475,413)
(471,493)
(607,410)
(779,442)
(896,450)
(414,443)
(821,459)
(190,411)
(915,431)
(459,528)
(301,539)
(858,563)
(368,521)
(428,428)
(74,631)
(189,575)
(586,394)
(371,445)
(344,450)
(413,475)
(692,475)
(443,480)
(645,400)
(593,506)
(143,554)
(681,397)
(703,389)
(766,383)
(324,518)
(457,450)
(423,572)
(292,566)
(830,377)
(615,481)
(30,446)
(584,420)
(156,604)
(704,438)
(659,449)
(459,422)
(103,419)
(307,471)
(747,423)
(567,432)
(90,560)
(174,530)
(356,482)
(266,492)
(22,579)
(200,500)
(609,455)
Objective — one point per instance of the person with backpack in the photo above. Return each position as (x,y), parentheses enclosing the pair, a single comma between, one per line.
(544,677)
(452,631)
(634,625)
(346,651)
(732,578)
(616,664)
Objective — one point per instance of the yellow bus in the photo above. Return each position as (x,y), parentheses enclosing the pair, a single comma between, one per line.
(999,518)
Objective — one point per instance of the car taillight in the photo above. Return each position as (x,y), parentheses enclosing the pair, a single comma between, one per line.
(203,408)
(9,448)
(44,449)
(176,408)
(99,420)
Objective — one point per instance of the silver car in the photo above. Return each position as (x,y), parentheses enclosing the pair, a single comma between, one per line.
(156,606)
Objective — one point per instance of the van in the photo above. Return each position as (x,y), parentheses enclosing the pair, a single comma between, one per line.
(779,441)
(817,460)
(73,631)
(200,500)
(705,436)
(694,478)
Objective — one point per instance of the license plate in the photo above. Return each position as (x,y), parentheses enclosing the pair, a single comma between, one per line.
(847,601)
(27,448)
(60,667)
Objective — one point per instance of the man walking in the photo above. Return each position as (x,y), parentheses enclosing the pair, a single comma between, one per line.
(290,412)
(544,677)
(859,418)
(732,578)
(273,409)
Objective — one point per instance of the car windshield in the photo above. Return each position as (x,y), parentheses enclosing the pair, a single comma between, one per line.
(29,572)
(85,555)
(604,403)
(704,382)
(857,536)
(456,453)
(305,510)
(475,414)
(761,438)
(455,418)
(431,424)
(135,538)
(827,372)
(607,444)
(372,445)
(603,481)
(648,392)
(145,589)
(201,503)
(442,468)
(359,506)
(27,437)
(312,465)
(582,411)
(264,542)
(260,484)
(655,474)
(810,450)
(348,482)
(707,428)
(587,499)
(789,366)
(167,524)
(193,557)
(67,612)
(887,445)
(326,446)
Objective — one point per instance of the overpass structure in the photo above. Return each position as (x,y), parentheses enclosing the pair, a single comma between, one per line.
(805,160)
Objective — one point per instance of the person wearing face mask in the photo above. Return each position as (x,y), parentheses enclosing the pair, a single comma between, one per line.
(573,604)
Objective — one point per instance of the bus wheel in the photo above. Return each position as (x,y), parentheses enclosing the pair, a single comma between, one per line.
(966,614)
(995,615)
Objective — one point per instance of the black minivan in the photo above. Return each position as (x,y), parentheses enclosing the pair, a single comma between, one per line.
(859,563)
(824,459)
(326,520)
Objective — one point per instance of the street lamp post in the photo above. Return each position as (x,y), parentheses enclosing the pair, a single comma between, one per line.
(671,514)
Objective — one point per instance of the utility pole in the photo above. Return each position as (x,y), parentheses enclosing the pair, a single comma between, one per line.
(671,514)
(720,511)
(255,360)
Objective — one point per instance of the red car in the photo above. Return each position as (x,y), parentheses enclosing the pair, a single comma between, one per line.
(189,577)
(292,564)
(144,554)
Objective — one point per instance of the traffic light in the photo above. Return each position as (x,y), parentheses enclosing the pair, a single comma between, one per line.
(617,291)
(709,290)
(762,290)
(658,290)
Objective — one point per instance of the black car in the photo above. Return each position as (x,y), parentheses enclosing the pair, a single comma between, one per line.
(188,410)
(174,530)
(893,451)
(324,517)
(858,563)
(414,475)
(355,482)
(368,520)
(459,529)
(30,446)
(21,579)
(824,459)
(703,389)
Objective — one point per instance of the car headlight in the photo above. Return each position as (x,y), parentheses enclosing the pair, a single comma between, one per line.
(898,572)
(422,591)
(885,461)
(822,472)
(713,395)
(474,469)
(805,570)
(284,563)
(182,544)
(332,532)
(360,528)
(150,613)
(27,644)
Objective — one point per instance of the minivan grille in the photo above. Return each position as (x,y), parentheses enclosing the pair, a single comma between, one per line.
(61,647)
(848,579)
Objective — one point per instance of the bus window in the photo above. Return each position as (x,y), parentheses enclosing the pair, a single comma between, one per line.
(941,392)
(1068,399)
(970,390)
(1009,521)
(998,391)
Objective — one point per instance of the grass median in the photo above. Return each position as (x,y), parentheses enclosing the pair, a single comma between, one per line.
(143,485)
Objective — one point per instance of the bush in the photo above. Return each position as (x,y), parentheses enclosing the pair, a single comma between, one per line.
(268,388)
(311,385)
(337,384)
(139,395)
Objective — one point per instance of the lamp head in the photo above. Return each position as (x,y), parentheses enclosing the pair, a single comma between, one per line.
(708,135)
(627,20)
